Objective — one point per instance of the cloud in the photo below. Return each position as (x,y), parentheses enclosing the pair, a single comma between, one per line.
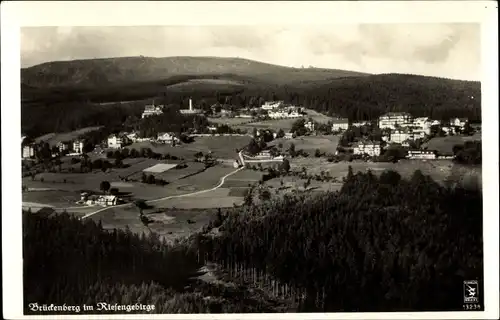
(446,50)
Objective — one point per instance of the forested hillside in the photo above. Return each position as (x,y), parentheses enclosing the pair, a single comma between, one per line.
(358,98)
(379,244)
(68,262)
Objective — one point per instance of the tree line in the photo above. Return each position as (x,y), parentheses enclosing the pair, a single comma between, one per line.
(379,244)
(358,98)
(68,261)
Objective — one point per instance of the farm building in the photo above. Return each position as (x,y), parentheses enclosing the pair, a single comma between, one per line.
(107,200)
(371,148)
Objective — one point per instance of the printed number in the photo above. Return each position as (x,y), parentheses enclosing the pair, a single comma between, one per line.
(472,306)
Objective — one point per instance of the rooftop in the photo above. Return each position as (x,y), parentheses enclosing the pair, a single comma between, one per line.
(396,114)
(340,120)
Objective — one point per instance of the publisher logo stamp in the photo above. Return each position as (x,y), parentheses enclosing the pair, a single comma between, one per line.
(471,291)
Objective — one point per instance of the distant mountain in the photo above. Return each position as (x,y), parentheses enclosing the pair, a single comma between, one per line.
(101,72)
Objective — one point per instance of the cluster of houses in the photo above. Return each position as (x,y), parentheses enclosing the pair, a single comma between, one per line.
(155,110)
(114,141)
(402,128)
(279,110)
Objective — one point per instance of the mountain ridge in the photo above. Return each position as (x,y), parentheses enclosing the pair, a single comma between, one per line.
(104,71)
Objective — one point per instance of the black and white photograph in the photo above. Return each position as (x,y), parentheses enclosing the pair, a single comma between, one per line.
(308,166)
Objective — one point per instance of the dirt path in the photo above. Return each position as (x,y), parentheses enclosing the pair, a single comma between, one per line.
(222,180)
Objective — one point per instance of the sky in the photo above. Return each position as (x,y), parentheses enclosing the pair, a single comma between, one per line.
(441,50)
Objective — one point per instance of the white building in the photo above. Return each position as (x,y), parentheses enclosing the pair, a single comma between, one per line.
(284,113)
(309,125)
(288,135)
(371,148)
(132,136)
(271,105)
(421,154)
(28,152)
(398,136)
(63,146)
(107,200)
(340,124)
(78,146)
(166,137)
(152,110)
(191,110)
(117,141)
(423,124)
(406,143)
(449,129)
(392,119)
(435,123)
(360,123)
(458,122)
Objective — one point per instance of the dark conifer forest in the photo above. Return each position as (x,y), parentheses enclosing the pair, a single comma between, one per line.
(357,98)
(381,243)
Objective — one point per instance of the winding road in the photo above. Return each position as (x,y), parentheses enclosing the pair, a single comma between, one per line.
(222,180)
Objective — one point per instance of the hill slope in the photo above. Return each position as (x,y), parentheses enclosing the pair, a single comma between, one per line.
(98,72)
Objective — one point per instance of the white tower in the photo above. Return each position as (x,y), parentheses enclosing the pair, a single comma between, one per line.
(190,104)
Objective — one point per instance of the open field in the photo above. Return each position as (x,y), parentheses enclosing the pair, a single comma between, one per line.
(439,170)
(291,183)
(56,198)
(229,121)
(75,182)
(243,178)
(194,85)
(219,198)
(316,116)
(160,168)
(53,138)
(176,174)
(444,145)
(220,146)
(178,151)
(327,144)
(167,223)
(285,124)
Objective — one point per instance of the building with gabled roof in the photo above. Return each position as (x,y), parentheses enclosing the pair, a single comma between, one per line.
(340,124)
